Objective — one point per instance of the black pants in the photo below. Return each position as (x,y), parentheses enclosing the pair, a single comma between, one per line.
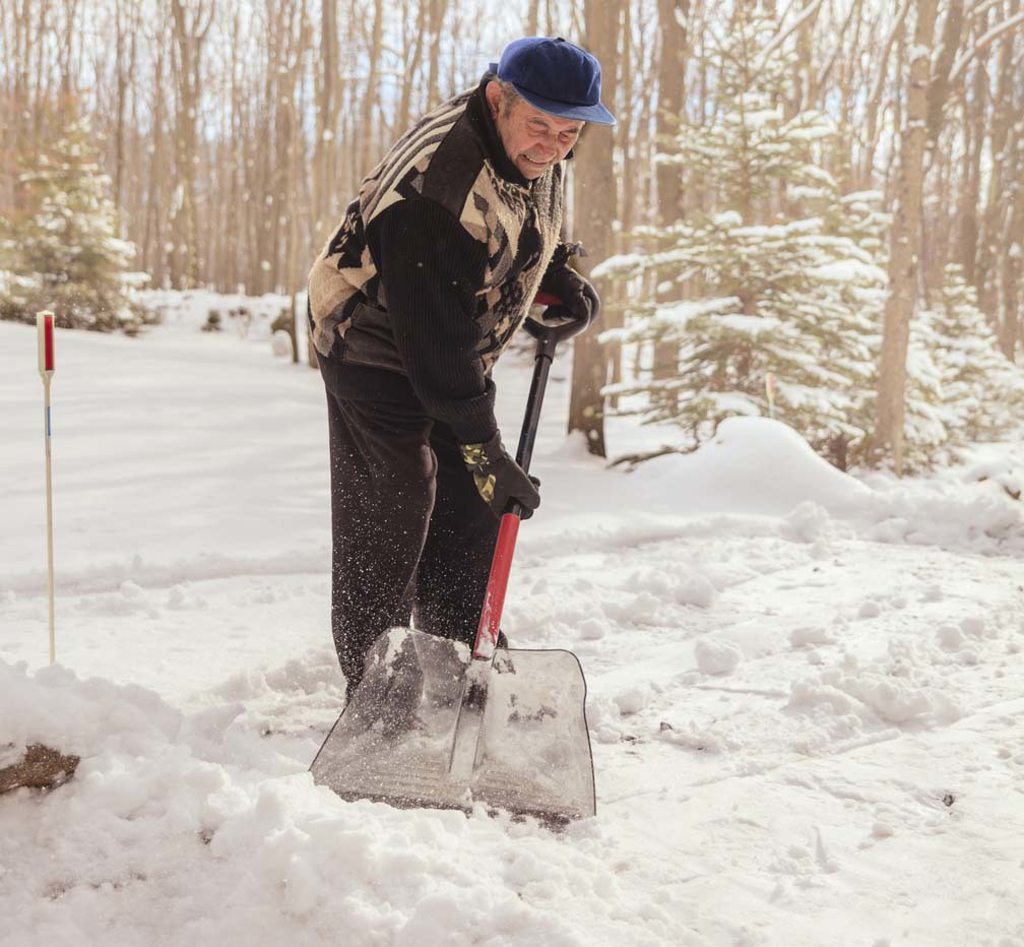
(412,539)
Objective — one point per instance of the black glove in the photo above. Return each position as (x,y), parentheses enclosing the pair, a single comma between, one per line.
(577,295)
(499,478)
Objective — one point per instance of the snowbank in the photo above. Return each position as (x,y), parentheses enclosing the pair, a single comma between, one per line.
(189,830)
(753,465)
(763,467)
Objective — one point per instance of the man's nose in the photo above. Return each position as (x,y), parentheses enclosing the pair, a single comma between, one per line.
(547,141)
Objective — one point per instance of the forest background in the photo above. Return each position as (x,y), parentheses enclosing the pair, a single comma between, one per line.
(809,209)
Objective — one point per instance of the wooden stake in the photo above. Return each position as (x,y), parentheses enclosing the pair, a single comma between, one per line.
(44,329)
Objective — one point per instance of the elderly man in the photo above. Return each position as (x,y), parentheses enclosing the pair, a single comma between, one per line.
(421,287)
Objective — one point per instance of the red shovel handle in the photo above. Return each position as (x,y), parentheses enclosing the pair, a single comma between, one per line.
(497,584)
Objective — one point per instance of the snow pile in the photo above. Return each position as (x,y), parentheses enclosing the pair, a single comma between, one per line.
(164,804)
(56,709)
(975,516)
(763,467)
(752,465)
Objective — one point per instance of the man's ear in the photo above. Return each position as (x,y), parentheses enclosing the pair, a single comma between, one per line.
(493,92)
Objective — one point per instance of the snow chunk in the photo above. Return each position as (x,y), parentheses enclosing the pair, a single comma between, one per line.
(869,609)
(633,700)
(810,635)
(973,626)
(696,590)
(717,656)
(808,521)
(950,637)
(592,629)
(875,695)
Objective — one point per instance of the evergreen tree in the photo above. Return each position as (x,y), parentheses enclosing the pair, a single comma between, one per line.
(927,428)
(63,252)
(859,216)
(960,386)
(981,391)
(781,283)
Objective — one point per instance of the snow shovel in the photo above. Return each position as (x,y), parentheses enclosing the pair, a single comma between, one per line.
(436,724)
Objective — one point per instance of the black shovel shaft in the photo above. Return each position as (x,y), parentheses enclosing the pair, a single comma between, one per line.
(534,403)
(547,337)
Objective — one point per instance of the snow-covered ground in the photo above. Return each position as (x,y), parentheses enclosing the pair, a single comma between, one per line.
(806,690)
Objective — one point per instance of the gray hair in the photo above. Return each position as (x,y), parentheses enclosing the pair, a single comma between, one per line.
(509,96)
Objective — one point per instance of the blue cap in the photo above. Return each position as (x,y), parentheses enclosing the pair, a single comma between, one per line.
(555,76)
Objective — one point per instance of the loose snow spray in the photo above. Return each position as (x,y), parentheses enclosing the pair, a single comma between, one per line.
(44,330)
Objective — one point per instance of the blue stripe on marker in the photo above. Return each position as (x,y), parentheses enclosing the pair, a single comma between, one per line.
(49,428)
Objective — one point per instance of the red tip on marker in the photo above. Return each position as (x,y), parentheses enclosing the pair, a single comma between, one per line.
(44,326)
(48,332)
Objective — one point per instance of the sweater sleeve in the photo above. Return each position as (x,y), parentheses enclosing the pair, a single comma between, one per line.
(430,269)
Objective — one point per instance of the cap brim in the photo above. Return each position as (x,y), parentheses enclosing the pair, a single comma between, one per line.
(597,114)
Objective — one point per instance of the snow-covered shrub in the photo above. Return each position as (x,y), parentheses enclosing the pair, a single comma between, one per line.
(62,251)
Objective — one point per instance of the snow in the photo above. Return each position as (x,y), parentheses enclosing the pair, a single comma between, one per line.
(756,466)
(848,271)
(804,686)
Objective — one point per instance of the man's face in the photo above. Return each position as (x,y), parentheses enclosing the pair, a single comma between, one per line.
(533,139)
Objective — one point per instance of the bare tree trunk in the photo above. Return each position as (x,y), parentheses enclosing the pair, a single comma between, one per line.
(1011,269)
(874,105)
(938,91)
(326,120)
(153,239)
(934,232)
(188,35)
(976,112)
(595,204)
(372,92)
(126,31)
(438,8)
(673,18)
(905,247)
(1003,118)
(412,77)
(673,15)
(532,17)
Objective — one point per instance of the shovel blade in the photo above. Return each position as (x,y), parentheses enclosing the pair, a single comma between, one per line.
(393,742)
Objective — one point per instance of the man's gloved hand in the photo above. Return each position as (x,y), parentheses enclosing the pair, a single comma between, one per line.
(577,295)
(499,478)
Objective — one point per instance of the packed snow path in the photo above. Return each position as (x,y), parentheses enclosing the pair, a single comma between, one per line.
(806,696)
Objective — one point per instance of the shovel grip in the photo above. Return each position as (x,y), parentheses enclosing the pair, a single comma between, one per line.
(497,584)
